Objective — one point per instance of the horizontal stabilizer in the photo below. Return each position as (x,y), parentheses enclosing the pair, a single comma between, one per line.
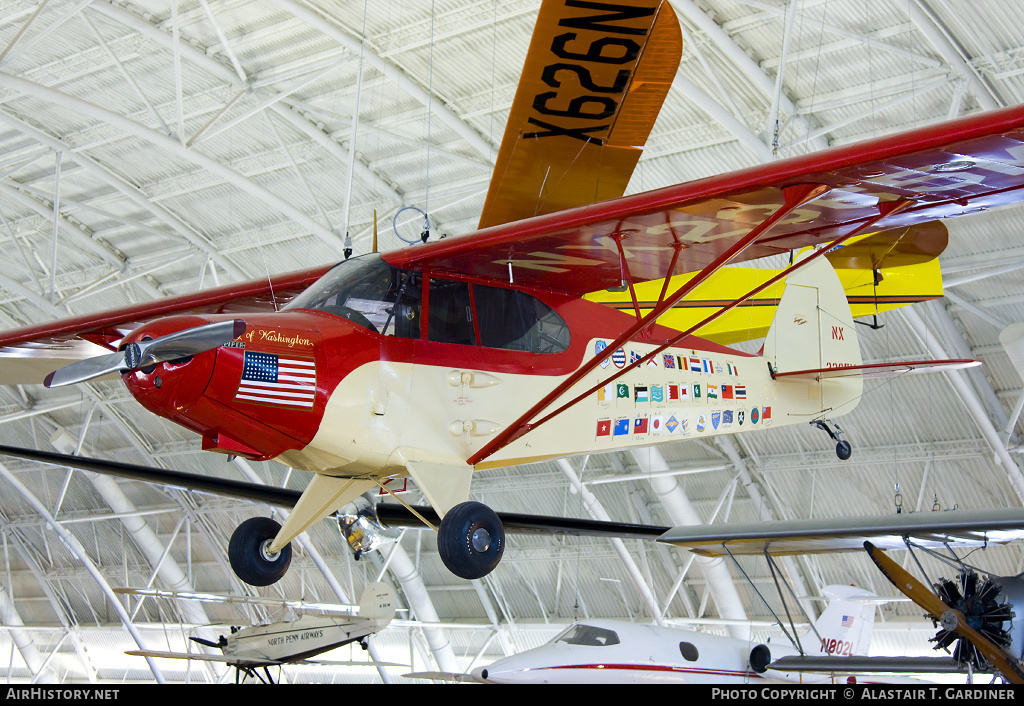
(877,370)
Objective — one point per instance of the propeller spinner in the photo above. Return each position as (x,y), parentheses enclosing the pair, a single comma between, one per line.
(173,346)
(953,620)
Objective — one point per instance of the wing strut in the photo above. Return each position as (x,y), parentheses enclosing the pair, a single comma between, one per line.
(627,277)
(795,196)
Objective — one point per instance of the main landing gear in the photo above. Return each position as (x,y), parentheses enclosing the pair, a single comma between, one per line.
(470,540)
(843,448)
(249,555)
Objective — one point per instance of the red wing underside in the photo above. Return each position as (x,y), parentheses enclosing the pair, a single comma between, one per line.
(63,338)
(941,171)
(873,370)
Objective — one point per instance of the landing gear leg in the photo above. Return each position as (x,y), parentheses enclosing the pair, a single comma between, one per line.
(470,540)
(843,448)
(249,554)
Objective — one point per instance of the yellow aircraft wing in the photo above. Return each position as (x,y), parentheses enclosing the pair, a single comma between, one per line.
(906,263)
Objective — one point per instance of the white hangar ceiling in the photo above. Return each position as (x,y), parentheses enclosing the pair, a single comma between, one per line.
(153,148)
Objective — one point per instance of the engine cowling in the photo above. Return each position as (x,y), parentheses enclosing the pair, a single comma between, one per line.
(760,658)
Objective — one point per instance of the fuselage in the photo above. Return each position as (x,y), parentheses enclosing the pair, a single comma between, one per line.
(297,639)
(374,367)
(617,652)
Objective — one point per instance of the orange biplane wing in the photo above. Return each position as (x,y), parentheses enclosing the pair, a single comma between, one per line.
(592,86)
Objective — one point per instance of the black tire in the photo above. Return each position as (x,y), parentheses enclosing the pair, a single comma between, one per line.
(245,552)
(844,450)
(470,540)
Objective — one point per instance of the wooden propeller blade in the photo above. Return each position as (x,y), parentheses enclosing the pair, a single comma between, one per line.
(922,596)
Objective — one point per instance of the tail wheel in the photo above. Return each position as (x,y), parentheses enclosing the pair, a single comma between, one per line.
(249,555)
(470,540)
(844,450)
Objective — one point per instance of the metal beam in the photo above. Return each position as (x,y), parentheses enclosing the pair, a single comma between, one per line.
(942,39)
(197,56)
(682,512)
(597,511)
(172,147)
(129,191)
(76,548)
(437,107)
(971,401)
(747,66)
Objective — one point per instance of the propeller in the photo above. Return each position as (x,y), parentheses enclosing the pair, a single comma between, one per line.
(180,344)
(953,621)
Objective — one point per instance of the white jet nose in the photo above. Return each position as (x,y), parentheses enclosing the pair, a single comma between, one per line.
(515,669)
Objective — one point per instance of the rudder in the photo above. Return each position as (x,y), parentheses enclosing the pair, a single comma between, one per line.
(846,624)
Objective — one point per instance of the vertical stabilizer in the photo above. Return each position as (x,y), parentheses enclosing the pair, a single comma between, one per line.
(845,626)
(377,602)
(813,330)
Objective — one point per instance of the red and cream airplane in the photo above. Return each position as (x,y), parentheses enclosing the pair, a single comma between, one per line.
(480,351)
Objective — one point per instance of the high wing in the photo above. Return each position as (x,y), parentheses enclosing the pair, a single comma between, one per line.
(843,534)
(390,514)
(297,605)
(936,172)
(941,171)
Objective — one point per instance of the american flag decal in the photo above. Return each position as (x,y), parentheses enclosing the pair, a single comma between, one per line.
(847,621)
(277,380)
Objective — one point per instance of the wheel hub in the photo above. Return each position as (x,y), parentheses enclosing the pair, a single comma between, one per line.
(480,539)
(266,553)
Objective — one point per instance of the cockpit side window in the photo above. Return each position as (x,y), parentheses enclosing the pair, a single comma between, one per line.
(451,313)
(370,293)
(516,321)
(588,635)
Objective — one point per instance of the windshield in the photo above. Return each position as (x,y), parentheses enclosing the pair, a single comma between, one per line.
(370,293)
(588,635)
